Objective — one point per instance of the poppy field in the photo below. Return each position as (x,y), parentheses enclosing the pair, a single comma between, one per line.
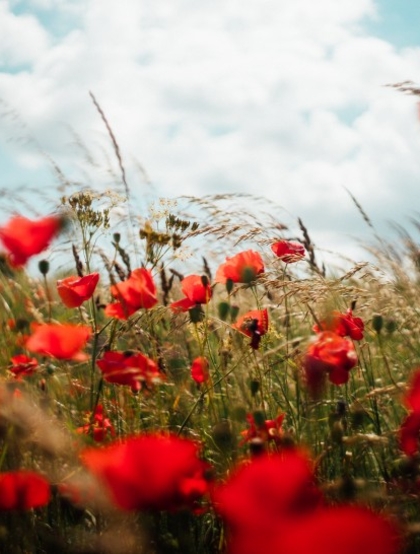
(247,400)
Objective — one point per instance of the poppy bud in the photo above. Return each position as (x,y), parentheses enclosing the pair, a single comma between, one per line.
(222,435)
(223,309)
(254,386)
(390,326)
(44,267)
(248,275)
(229,285)
(196,314)
(377,323)
(116,237)
(234,311)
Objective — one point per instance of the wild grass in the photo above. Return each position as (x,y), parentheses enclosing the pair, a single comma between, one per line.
(351,431)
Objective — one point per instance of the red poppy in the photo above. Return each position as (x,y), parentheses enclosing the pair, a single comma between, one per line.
(23,490)
(24,238)
(63,342)
(343,529)
(289,252)
(153,471)
(268,430)
(75,290)
(242,268)
(197,290)
(99,426)
(272,505)
(132,369)
(410,427)
(23,365)
(200,370)
(138,291)
(328,354)
(344,325)
(253,324)
(262,493)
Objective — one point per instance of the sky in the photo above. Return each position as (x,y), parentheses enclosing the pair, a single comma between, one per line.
(280,99)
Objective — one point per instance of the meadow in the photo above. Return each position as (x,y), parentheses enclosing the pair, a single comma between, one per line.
(246,400)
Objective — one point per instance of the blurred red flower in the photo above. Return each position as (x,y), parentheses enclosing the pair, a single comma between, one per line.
(410,428)
(267,430)
(328,354)
(128,368)
(23,490)
(200,370)
(253,324)
(99,426)
(289,252)
(262,496)
(344,325)
(343,529)
(242,268)
(63,342)
(138,291)
(272,505)
(24,238)
(197,290)
(75,290)
(153,471)
(23,365)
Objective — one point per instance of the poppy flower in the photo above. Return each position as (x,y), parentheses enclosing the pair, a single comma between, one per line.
(23,490)
(24,238)
(75,290)
(132,369)
(151,471)
(99,426)
(272,505)
(242,268)
(410,427)
(344,529)
(64,342)
(328,355)
(253,324)
(23,365)
(289,252)
(344,325)
(260,494)
(197,290)
(267,430)
(200,370)
(138,291)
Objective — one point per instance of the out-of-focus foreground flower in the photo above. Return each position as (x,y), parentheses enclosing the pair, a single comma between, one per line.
(64,342)
(23,490)
(152,471)
(24,238)
(272,505)
(410,427)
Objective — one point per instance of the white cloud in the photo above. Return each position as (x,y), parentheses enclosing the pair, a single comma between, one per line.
(272,97)
(23,39)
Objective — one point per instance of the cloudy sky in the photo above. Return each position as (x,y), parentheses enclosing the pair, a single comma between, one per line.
(279,98)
